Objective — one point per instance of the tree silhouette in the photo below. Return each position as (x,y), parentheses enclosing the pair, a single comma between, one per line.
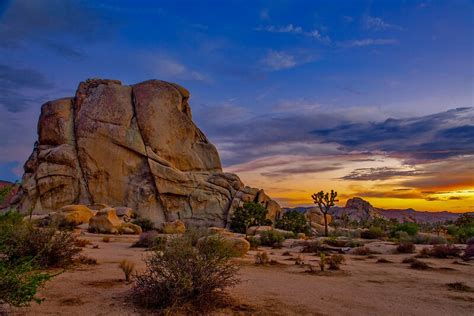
(325,201)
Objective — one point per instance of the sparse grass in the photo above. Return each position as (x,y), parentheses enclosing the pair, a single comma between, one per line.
(127,268)
(460,287)
(419,265)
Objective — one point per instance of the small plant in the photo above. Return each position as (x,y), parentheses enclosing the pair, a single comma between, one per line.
(299,260)
(361,251)
(254,242)
(146,239)
(383,260)
(322,261)
(145,223)
(194,233)
(19,283)
(335,242)
(444,251)
(271,238)
(106,239)
(334,261)
(406,247)
(419,265)
(262,258)
(81,243)
(460,286)
(373,232)
(127,268)
(408,260)
(410,228)
(86,260)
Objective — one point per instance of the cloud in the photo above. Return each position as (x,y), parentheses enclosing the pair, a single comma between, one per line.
(163,66)
(301,169)
(378,24)
(19,87)
(294,29)
(279,60)
(380,173)
(368,42)
(264,14)
(426,138)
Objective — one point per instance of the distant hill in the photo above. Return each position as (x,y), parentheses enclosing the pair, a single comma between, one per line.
(359,209)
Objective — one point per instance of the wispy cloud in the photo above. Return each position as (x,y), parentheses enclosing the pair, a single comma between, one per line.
(368,42)
(378,24)
(278,60)
(164,66)
(380,173)
(294,29)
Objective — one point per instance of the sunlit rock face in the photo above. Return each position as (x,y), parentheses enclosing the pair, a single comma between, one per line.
(133,146)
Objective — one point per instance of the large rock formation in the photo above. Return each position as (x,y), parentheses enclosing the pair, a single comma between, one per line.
(133,146)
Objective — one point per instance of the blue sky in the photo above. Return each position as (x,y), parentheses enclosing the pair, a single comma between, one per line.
(278,85)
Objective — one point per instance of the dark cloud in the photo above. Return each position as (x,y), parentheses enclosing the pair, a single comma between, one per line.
(427,138)
(381,173)
(20,86)
(299,170)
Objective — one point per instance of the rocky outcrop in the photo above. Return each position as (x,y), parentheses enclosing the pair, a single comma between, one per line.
(134,146)
(356,209)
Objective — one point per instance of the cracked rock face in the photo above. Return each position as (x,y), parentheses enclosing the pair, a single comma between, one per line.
(133,146)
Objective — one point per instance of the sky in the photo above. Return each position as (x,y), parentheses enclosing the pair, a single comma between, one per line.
(370,98)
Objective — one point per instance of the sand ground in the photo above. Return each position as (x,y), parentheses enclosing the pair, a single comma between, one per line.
(361,287)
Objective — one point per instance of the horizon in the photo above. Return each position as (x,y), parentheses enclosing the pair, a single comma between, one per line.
(369,99)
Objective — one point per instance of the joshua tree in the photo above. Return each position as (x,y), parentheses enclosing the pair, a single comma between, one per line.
(325,201)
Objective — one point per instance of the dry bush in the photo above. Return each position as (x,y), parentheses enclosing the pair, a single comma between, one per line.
(86,260)
(106,239)
(406,247)
(146,239)
(182,275)
(383,260)
(362,251)
(127,267)
(445,251)
(334,261)
(254,242)
(408,260)
(419,265)
(468,252)
(322,261)
(262,258)
(299,260)
(313,246)
(82,242)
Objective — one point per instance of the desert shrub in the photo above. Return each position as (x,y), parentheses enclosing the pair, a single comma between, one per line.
(408,260)
(383,260)
(410,228)
(353,243)
(271,238)
(181,275)
(82,242)
(437,240)
(262,258)
(334,261)
(406,247)
(19,282)
(194,233)
(294,221)
(106,239)
(46,246)
(86,260)
(254,242)
(146,239)
(444,251)
(361,251)
(463,228)
(145,223)
(127,268)
(312,246)
(459,286)
(403,236)
(322,261)
(373,232)
(251,214)
(419,265)
(299,260)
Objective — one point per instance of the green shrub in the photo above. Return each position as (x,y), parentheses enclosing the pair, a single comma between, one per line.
(406,247)
(271,238)
(294,221)
(410,228)
(145,223)
(251,214)
(194,233)
(334,261)
(19,282)
(373,232)
(254,242)
(182,275)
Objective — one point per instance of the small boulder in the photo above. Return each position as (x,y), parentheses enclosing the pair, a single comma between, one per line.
(175,227)
(105,222)
(75,214)
(255,230)
(131,229)
(220,231)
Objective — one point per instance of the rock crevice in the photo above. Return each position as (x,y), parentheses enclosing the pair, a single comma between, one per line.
(133,146)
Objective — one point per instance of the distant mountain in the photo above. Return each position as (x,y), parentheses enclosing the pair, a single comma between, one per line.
(360,209)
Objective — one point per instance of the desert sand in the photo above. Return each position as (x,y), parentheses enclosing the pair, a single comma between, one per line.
(361,287)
